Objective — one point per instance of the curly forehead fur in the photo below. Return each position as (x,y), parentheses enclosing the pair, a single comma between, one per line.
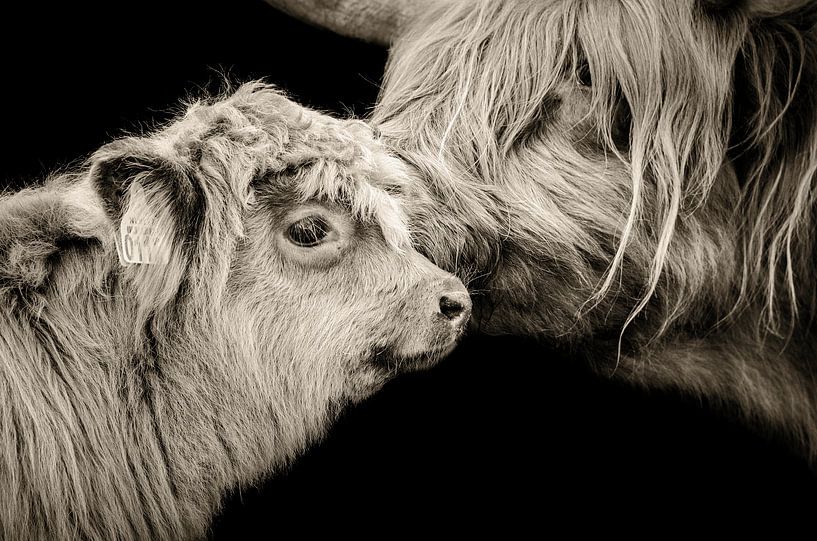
(330,159)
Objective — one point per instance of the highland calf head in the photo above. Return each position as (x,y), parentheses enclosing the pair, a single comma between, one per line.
(192,309)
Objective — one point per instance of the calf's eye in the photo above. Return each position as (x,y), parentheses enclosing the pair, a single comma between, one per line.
(308,232)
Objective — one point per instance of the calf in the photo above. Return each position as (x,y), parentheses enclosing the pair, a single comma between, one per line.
(192,308)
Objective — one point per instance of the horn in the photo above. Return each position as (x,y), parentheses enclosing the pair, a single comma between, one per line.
(376,21)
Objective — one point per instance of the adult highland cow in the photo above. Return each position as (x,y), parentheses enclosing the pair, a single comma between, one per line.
(631,180)
(190,310)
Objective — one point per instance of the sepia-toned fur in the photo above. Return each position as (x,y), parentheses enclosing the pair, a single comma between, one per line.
(135,396)
(630,180)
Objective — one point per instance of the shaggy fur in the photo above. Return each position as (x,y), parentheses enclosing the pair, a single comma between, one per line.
(134,397)
(631,180)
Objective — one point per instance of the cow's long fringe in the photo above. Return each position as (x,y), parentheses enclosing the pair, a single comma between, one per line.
(677,146)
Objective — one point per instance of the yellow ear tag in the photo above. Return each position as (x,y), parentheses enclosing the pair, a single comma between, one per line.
(139,241)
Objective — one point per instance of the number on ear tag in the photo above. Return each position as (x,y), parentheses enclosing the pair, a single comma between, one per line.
(139,241)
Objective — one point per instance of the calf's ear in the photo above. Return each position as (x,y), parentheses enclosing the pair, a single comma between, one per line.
(154,195)
(155,204)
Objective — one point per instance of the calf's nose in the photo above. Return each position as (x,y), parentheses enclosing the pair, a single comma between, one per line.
(455,306)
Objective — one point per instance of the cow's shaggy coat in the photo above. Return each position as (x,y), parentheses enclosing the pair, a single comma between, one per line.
(134,397)
(632,180)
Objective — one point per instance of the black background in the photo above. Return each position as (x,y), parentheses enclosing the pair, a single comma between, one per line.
(504,435)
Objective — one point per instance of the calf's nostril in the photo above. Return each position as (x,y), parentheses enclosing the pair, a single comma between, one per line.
(452,306)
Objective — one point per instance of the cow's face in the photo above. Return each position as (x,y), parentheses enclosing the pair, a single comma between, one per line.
(563,129)
(589,157)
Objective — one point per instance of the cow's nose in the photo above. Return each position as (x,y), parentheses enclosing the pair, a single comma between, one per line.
(455,306)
